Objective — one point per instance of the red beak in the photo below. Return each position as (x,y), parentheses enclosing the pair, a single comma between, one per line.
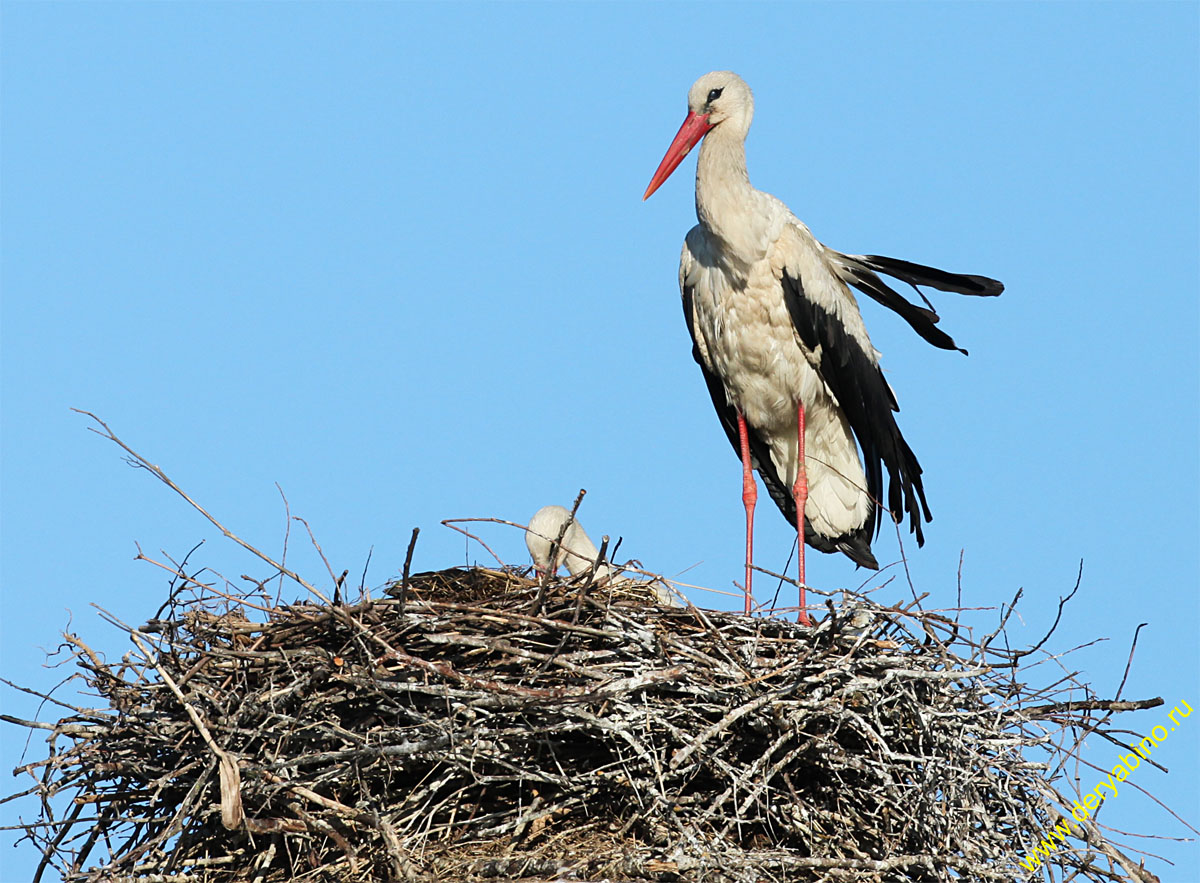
(694,128)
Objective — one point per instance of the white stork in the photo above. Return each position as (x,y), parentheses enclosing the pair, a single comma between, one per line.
(577,550)
(579,553)
(783,349)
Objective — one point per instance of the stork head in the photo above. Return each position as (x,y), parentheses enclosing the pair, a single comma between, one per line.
(720,98)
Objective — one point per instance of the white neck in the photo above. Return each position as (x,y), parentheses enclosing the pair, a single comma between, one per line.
(726,205)
(722,182)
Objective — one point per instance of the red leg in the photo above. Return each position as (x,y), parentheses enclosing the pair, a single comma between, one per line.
(749,497)
(800,495)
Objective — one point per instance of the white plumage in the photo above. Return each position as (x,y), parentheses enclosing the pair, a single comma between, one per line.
(577,550)
(744,335)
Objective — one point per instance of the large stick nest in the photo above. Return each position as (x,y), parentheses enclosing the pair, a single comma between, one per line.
(483,725)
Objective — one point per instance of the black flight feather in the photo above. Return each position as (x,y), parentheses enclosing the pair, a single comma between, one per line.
(922,320)
(861,272)
(864,396)
(919,274)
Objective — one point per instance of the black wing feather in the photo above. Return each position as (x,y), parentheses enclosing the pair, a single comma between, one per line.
(865,397)
(919,274)
(922,320)
(861,271)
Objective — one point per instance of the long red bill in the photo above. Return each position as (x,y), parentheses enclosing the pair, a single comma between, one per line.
(693,129)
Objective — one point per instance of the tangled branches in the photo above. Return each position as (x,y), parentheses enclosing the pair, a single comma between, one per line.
(479,725)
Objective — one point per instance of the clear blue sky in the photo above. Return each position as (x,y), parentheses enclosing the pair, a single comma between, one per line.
(393,257)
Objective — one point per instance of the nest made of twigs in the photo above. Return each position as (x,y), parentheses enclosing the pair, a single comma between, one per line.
(484,725)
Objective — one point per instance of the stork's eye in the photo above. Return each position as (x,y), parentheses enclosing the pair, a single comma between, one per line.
(714,95)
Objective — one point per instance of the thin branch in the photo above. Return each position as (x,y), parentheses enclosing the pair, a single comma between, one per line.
(143,463)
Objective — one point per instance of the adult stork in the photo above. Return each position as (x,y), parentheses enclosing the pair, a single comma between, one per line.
(779,338)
